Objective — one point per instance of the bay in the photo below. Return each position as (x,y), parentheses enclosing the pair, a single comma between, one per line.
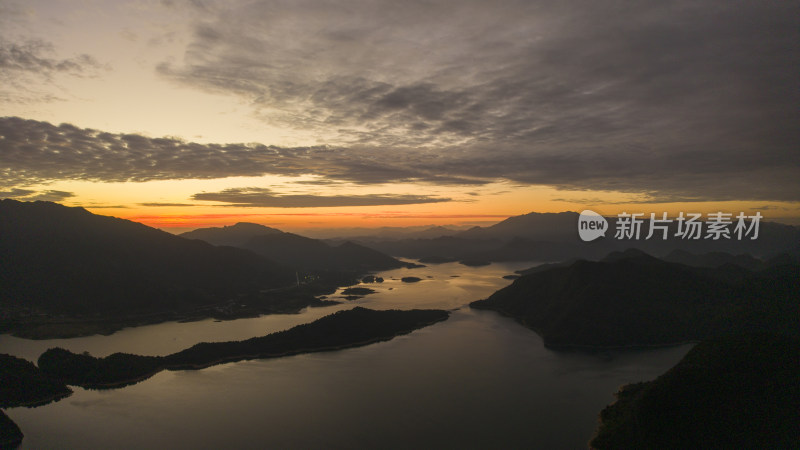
(477,380)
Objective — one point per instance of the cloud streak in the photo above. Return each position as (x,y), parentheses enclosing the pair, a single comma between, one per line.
(33,152)
(29,195)
(164,204)
(261,197)
(31,56)
(25,65)
(531,72)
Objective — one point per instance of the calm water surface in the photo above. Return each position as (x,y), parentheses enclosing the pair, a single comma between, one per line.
(477,380)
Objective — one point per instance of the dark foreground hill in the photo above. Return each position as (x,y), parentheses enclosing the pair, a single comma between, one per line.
(66,272)
(736,389)
(69,260)
(738,392)
(10,434)
(632,299)
(350,328)
(297,251)
(23,384)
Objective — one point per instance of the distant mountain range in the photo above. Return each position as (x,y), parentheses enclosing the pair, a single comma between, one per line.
(554,237)
(633,299)
(383,233)
(65,271)
(68,260)
(297,251)
(234,235)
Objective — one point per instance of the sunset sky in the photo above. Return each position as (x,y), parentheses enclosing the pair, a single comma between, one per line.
(295,114)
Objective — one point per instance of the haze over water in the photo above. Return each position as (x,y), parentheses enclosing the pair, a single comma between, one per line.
(477,380)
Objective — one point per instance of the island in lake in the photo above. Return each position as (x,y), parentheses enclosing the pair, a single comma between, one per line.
(23,384)
(349,328)
(411,279)
(354,293)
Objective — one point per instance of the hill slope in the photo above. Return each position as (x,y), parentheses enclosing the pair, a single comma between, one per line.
(554,237)
(297,251)
(547,227)
(635,299)
(234,235)
(65,260)
(738,392)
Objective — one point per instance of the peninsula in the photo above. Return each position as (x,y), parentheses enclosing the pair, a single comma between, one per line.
(349,328)
(632,299)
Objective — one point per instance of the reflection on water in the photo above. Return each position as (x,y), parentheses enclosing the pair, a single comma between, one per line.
(477,380)
(438,289)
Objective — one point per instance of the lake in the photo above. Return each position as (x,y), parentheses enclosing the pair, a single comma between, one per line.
(477,380)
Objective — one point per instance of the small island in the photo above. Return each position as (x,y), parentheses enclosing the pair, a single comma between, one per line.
(475,262)
(372,279)
(410,279)
(360,291)
(354,293)
(343,329)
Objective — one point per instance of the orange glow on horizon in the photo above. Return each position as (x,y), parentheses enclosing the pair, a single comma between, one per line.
(302,220)
(168,205)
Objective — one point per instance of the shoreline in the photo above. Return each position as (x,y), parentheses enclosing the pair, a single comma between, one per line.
(586,347)
(301,339)
(299,351)
(75,327)
(248,357)
(42,401)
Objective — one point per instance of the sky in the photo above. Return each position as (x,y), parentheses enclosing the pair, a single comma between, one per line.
(307,113)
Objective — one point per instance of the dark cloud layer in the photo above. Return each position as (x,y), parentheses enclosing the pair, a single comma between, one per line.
(537,73)
(261,197)
(661,97)
(31,56)
(673,100)
(35,152)
(31,195)
(24,65)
